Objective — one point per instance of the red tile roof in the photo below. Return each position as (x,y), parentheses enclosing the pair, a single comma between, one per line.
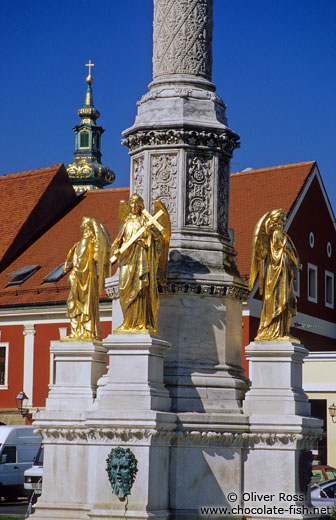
(253,193)
(30,202)
(51,249)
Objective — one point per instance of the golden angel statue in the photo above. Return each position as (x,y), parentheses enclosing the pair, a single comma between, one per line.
(141,247)
(272,246)
(86,282)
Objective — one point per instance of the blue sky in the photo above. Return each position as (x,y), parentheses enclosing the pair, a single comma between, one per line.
(274,66)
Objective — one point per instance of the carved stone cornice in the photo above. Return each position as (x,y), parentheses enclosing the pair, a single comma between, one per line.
(283,440)
(141,436)
(99,435)
(112,291)
(203,289)
(188,92)
(146,436)
(223,142)
(206,289)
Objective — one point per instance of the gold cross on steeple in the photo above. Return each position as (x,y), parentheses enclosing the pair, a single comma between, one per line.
(89,65)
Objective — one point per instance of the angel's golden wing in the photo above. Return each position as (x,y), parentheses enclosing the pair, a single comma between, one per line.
(102,251)
(259,252)
(164,220)
(123,213)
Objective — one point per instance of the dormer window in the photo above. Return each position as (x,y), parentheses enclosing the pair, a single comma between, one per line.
(21,275)
(55,275)
(84,139)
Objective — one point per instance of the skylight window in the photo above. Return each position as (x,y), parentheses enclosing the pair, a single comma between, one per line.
(21,275)
(55,275)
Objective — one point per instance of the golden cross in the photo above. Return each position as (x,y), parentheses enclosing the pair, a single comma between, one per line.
(152,220)
(89,65)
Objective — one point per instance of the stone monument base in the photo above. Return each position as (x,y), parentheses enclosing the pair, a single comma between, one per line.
(281,432)
(135,376)
(76,367)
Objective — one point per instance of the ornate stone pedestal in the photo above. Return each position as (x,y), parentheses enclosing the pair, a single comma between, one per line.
(276,374)
(76,367)
(282,431)
(135,377)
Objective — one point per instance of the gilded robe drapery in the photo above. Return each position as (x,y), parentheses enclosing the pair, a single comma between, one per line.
(279,301)
(83,303)
(139,296)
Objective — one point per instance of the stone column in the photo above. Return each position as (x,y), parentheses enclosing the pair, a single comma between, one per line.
(28,370)
(182,39)
(180,147)
(180,143)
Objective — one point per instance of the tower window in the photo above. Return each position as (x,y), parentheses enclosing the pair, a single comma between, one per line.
(84,140)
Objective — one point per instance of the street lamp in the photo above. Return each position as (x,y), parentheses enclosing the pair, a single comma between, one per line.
(21,404)
(332,412)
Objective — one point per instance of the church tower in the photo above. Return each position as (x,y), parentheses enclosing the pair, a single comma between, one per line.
(87,172)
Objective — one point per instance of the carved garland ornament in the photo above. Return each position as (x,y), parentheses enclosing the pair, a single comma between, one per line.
(164,183)
(182,37)
(143,436)
(224,142)
(182,92)
(236,293)
(200,173)
(138,175)
(223,195)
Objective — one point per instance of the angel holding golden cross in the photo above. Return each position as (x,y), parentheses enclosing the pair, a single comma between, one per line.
(141,247)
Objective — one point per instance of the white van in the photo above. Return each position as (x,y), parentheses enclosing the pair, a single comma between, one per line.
(33,477)
(18,448)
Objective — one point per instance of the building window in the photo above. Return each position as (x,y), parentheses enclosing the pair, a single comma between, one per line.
(329,289)
(3,366)
(312,283)
(84,140)
(296,281)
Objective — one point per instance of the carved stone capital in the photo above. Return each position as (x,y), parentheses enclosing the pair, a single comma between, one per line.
(223,142)
(29,330)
